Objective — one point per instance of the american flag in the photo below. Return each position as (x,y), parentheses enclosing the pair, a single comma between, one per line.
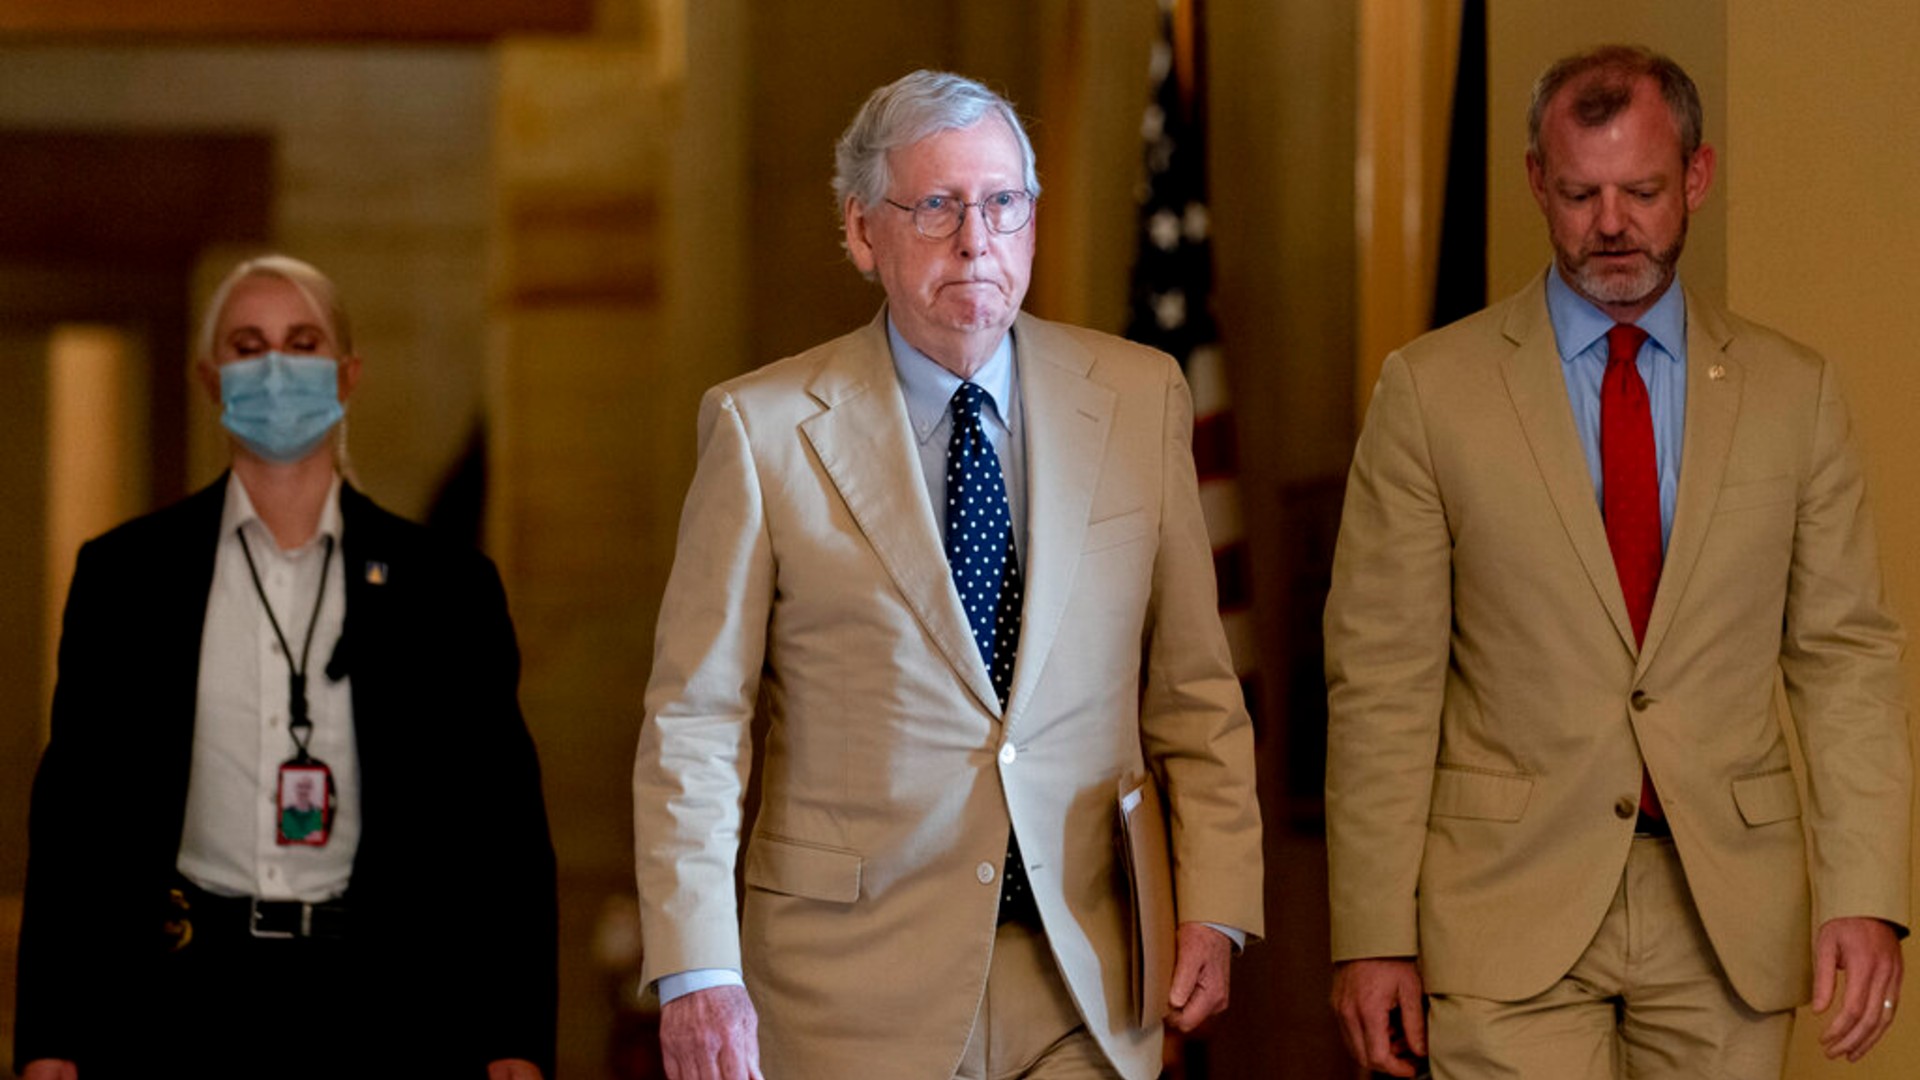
(1172,305)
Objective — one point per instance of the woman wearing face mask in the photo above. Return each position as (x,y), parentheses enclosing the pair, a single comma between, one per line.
(242,861)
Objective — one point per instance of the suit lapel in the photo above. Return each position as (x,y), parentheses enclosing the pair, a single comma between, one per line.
(1539,391)
(182,600)
(1713,406)
(1067,421)
(865,444)
(368,561)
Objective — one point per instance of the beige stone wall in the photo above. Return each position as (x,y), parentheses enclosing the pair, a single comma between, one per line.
(381,159)
(1823,242)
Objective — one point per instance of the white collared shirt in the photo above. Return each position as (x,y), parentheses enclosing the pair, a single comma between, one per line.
(229,843)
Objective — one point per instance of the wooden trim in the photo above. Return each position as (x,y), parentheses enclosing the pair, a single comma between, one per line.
(1407,59)
(335,20)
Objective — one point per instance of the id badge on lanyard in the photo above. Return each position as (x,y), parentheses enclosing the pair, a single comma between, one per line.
(304,797)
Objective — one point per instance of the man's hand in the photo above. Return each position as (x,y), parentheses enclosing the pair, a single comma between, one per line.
(1202,962)
(1868,950)
(711,1034)
(50,1069)
(1365,995)
(505,1069)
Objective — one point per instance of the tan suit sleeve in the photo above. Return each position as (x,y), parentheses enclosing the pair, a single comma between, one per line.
(1193,719)
(1840,658)
(690,770)
(1387,641)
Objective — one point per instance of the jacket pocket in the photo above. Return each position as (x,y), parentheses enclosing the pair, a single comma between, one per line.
(1479,793)
(796,868)
(1764,798)
(1116,530)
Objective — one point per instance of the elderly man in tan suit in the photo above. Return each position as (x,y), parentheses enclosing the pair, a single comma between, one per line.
(1586,530)
(958,558)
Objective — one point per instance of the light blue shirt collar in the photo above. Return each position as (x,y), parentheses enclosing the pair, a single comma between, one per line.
(1578,323)
(929,387)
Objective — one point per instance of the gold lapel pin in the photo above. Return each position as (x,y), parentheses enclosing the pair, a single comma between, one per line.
(377,571)
(1716,373)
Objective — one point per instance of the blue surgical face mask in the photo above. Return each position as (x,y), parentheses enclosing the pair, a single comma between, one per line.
(281,406)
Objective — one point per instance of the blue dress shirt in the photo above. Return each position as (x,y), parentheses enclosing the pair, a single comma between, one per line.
(928,388)
(1580,328)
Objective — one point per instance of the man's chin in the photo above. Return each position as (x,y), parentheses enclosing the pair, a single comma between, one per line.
(976,319)
(1619,286)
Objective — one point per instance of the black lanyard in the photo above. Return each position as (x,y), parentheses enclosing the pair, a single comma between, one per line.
(298,724)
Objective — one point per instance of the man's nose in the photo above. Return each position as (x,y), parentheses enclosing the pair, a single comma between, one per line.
(1613,213)
(971,240)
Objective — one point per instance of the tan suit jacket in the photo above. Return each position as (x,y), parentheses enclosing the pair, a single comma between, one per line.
(810,575)
(1489,710)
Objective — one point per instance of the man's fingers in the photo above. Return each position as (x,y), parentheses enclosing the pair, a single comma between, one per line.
(1365,994)
(1842,1030)
(1206,996)
(1413,1018)
(1864,1018)
(1202,965)
(1380,1053)
(1868,952)
(1353,1034)
(1826,964)
(1186,973)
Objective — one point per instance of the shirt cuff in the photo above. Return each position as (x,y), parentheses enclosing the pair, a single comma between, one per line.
(681,983)
(1238,937)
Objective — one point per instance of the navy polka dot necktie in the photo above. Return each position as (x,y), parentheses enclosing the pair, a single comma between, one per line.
(986,571)
(980,552)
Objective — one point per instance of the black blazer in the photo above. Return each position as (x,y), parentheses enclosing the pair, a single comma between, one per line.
(454,917)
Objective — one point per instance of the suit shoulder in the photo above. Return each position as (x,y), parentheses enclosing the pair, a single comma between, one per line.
(1105,359)
(159,530)
(1757,341)
(1478,338)
(1105,348)
(370,526)
(781,378)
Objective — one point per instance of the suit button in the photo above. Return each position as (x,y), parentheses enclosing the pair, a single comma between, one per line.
(1625,806)
(1640,701)
(1008,753)
(985,872)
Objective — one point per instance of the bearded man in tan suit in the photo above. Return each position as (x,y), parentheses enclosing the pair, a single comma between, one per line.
(951,697)
(1576,555)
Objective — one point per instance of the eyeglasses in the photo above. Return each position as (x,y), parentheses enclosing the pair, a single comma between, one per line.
(937,217)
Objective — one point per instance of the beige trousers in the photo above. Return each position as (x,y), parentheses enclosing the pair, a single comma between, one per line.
(1027,1026)
(1647,1000)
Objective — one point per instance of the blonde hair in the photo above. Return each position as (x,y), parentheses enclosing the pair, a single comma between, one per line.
(315,287)
(320,294)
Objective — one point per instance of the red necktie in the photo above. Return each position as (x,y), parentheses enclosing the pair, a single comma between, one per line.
(1630,490)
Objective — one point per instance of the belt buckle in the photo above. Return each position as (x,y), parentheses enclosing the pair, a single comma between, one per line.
(258,909)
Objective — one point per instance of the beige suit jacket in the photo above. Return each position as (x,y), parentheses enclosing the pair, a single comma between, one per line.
(1490,713)
(810,577)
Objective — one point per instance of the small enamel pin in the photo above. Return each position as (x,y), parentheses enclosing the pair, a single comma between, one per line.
(377,571)
(1716,373)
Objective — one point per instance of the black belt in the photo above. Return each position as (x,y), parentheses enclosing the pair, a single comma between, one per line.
(1648,825)
(232,916)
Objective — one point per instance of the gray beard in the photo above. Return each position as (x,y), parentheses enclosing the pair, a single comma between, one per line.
(1618,289)
(1652,277)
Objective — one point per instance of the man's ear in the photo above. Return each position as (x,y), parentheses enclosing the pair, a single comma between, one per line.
(1699,178)
(1537,179)
(859,242)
